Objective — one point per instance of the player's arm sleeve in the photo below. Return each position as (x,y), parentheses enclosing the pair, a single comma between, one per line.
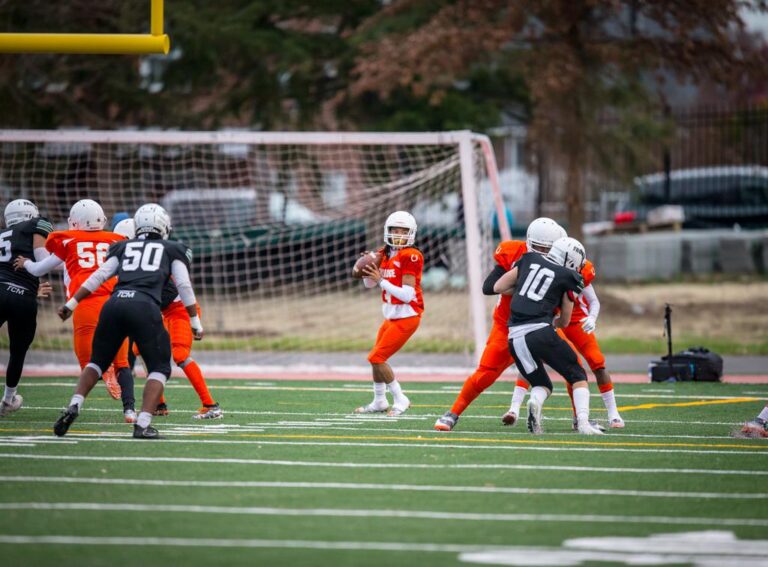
(105,271)
(180,275)
(44,265)
(405,293)
(594,303)
(43,227)
(492,278)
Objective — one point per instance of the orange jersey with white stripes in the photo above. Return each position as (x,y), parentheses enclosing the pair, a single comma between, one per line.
(406,261)
(507,253)
(83,252)
(581,307)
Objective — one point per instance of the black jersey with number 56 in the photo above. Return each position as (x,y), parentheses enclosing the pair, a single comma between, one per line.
(145,265)
(18,241)
(539,289)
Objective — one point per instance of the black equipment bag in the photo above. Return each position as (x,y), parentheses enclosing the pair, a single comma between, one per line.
(707,366)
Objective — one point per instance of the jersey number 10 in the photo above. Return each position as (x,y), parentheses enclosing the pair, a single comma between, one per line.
(537,283)
(146,255)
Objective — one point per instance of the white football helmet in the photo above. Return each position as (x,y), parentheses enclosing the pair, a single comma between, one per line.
(20,210)
(400,219)
(568,252)
(86,214)
(152,219)
(126,227)
(542,233)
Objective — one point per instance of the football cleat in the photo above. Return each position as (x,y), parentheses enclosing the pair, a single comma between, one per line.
(509,418)
(130,416)
(446,422)
(616,423)
(590,428)
(594,423)
(755,429)
(147,432)
(212,411)
(534,418)
(110,381)
(161,410)
(399,408)
(7,408)
(67,418)
(373,407)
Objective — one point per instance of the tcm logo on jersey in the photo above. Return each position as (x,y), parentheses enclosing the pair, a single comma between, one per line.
(388,273)
(16,289)
(126,294)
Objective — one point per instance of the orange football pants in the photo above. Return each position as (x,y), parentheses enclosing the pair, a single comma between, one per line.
(392,335)
(586,344)
(176,321)
(84,319)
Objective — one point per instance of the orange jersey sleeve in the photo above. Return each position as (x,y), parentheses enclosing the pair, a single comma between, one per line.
(83,253)
(411,262)
(507,253)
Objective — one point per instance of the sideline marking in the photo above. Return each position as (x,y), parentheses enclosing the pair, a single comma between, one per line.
(284,463)
(396,487)
(358,513)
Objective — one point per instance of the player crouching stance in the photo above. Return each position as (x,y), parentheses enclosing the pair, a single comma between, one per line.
(143,265)
(538,286)
(399,278)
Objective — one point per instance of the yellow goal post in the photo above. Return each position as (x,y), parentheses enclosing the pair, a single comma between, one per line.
(93,43)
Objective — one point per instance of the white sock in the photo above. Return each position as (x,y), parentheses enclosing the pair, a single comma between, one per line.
(764,414)
(379,392)
(144,419)
(9,393)
(396,391)
(77,400)
(581,402)
(609,399)
(539,394)
(518,395)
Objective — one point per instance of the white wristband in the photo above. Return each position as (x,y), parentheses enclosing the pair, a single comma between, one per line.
(195,323)
(71,304)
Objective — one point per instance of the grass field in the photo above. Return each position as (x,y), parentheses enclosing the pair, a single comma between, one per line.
(291,476)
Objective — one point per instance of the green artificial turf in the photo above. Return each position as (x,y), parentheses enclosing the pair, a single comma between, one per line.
(291,476)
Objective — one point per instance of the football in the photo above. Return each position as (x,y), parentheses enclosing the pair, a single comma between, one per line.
(364,260)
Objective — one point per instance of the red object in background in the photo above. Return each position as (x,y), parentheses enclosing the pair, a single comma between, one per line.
(624,217)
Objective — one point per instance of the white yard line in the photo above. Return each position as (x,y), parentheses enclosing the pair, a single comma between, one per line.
(348,465)
(385,419)
(563,446)
(389,487)
(402,514)
(367,390)
(247,543)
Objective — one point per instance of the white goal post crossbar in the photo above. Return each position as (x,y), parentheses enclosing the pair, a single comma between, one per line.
(464,140)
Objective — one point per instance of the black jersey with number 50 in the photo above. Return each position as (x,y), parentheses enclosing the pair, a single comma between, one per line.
(145,265)
(539,289)
(18,241)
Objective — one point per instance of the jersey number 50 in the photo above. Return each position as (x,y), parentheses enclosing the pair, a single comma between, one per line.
(146,255)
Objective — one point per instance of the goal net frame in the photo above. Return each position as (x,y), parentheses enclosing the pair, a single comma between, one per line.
(468,146)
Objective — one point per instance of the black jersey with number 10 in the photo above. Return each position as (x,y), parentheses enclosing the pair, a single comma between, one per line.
(145,265)
(539,289)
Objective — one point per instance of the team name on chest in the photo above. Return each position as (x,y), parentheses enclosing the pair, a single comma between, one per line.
(388,273)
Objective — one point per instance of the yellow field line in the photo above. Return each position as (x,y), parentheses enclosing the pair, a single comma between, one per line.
(689,404)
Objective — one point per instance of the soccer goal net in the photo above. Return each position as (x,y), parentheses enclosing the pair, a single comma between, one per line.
(276,221)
